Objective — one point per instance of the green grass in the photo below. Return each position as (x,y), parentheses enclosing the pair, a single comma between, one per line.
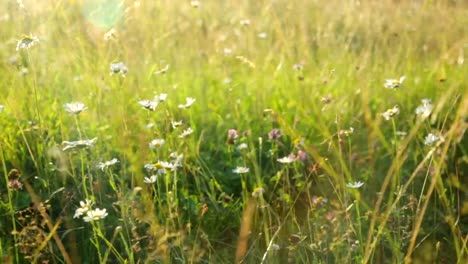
(312,70)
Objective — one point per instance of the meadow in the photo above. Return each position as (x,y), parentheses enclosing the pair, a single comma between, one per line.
(233,131)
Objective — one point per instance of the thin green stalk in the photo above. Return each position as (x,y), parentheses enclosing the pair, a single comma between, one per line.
(10,202)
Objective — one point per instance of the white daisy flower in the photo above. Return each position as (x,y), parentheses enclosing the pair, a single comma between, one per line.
(241,170)
(178,158)
(75,107)
(95,215)
(156,143)
(391,112)
(355,185)
(118,68)
(431,139)
(242,146)
(425,109)
(104,165)
(150,180)
(110,35)
(84,208)
(227,51)
(176,124)
(80,144)
(168,165)
(161,98)
(287,159)
(188,103)
(262,35)
(394,83)
(195,4)
(157,167)
(26,42)
(298,67)
(401,133)
(347,132)
(244,22)
(149,104)
(186,133)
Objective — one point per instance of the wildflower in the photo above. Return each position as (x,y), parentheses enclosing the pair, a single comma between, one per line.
(26,42)
(175,155)
(288,159)
(242,146)
(274,134)
(150,180)
(150,125)
(189,102)
(355,185)
(241,170)
(257,192)
(118,68)
(232,136)
(326,99)
(355,245)
(394,83)
(431,139)
(347,132)
(157,167)
(391,112)
(195,4)
(156,143)
(401,133)
(161,97)
(186,133)
(95,215)
(23,71)
(161,166)
(85,143)
(302,155)
(84,208)
(319,200)
(149,104)
(176,124)
(15,184)
(227,51)
(75,107)
(13,180)
(104,165)
(151,167)
(110,35)
(168,165)
(177,158)
(275,247)
(245,22)
(298,67)
(425,109)
(262,35)
(2,107)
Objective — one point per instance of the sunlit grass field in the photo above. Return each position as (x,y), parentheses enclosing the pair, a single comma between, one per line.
(279,131)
